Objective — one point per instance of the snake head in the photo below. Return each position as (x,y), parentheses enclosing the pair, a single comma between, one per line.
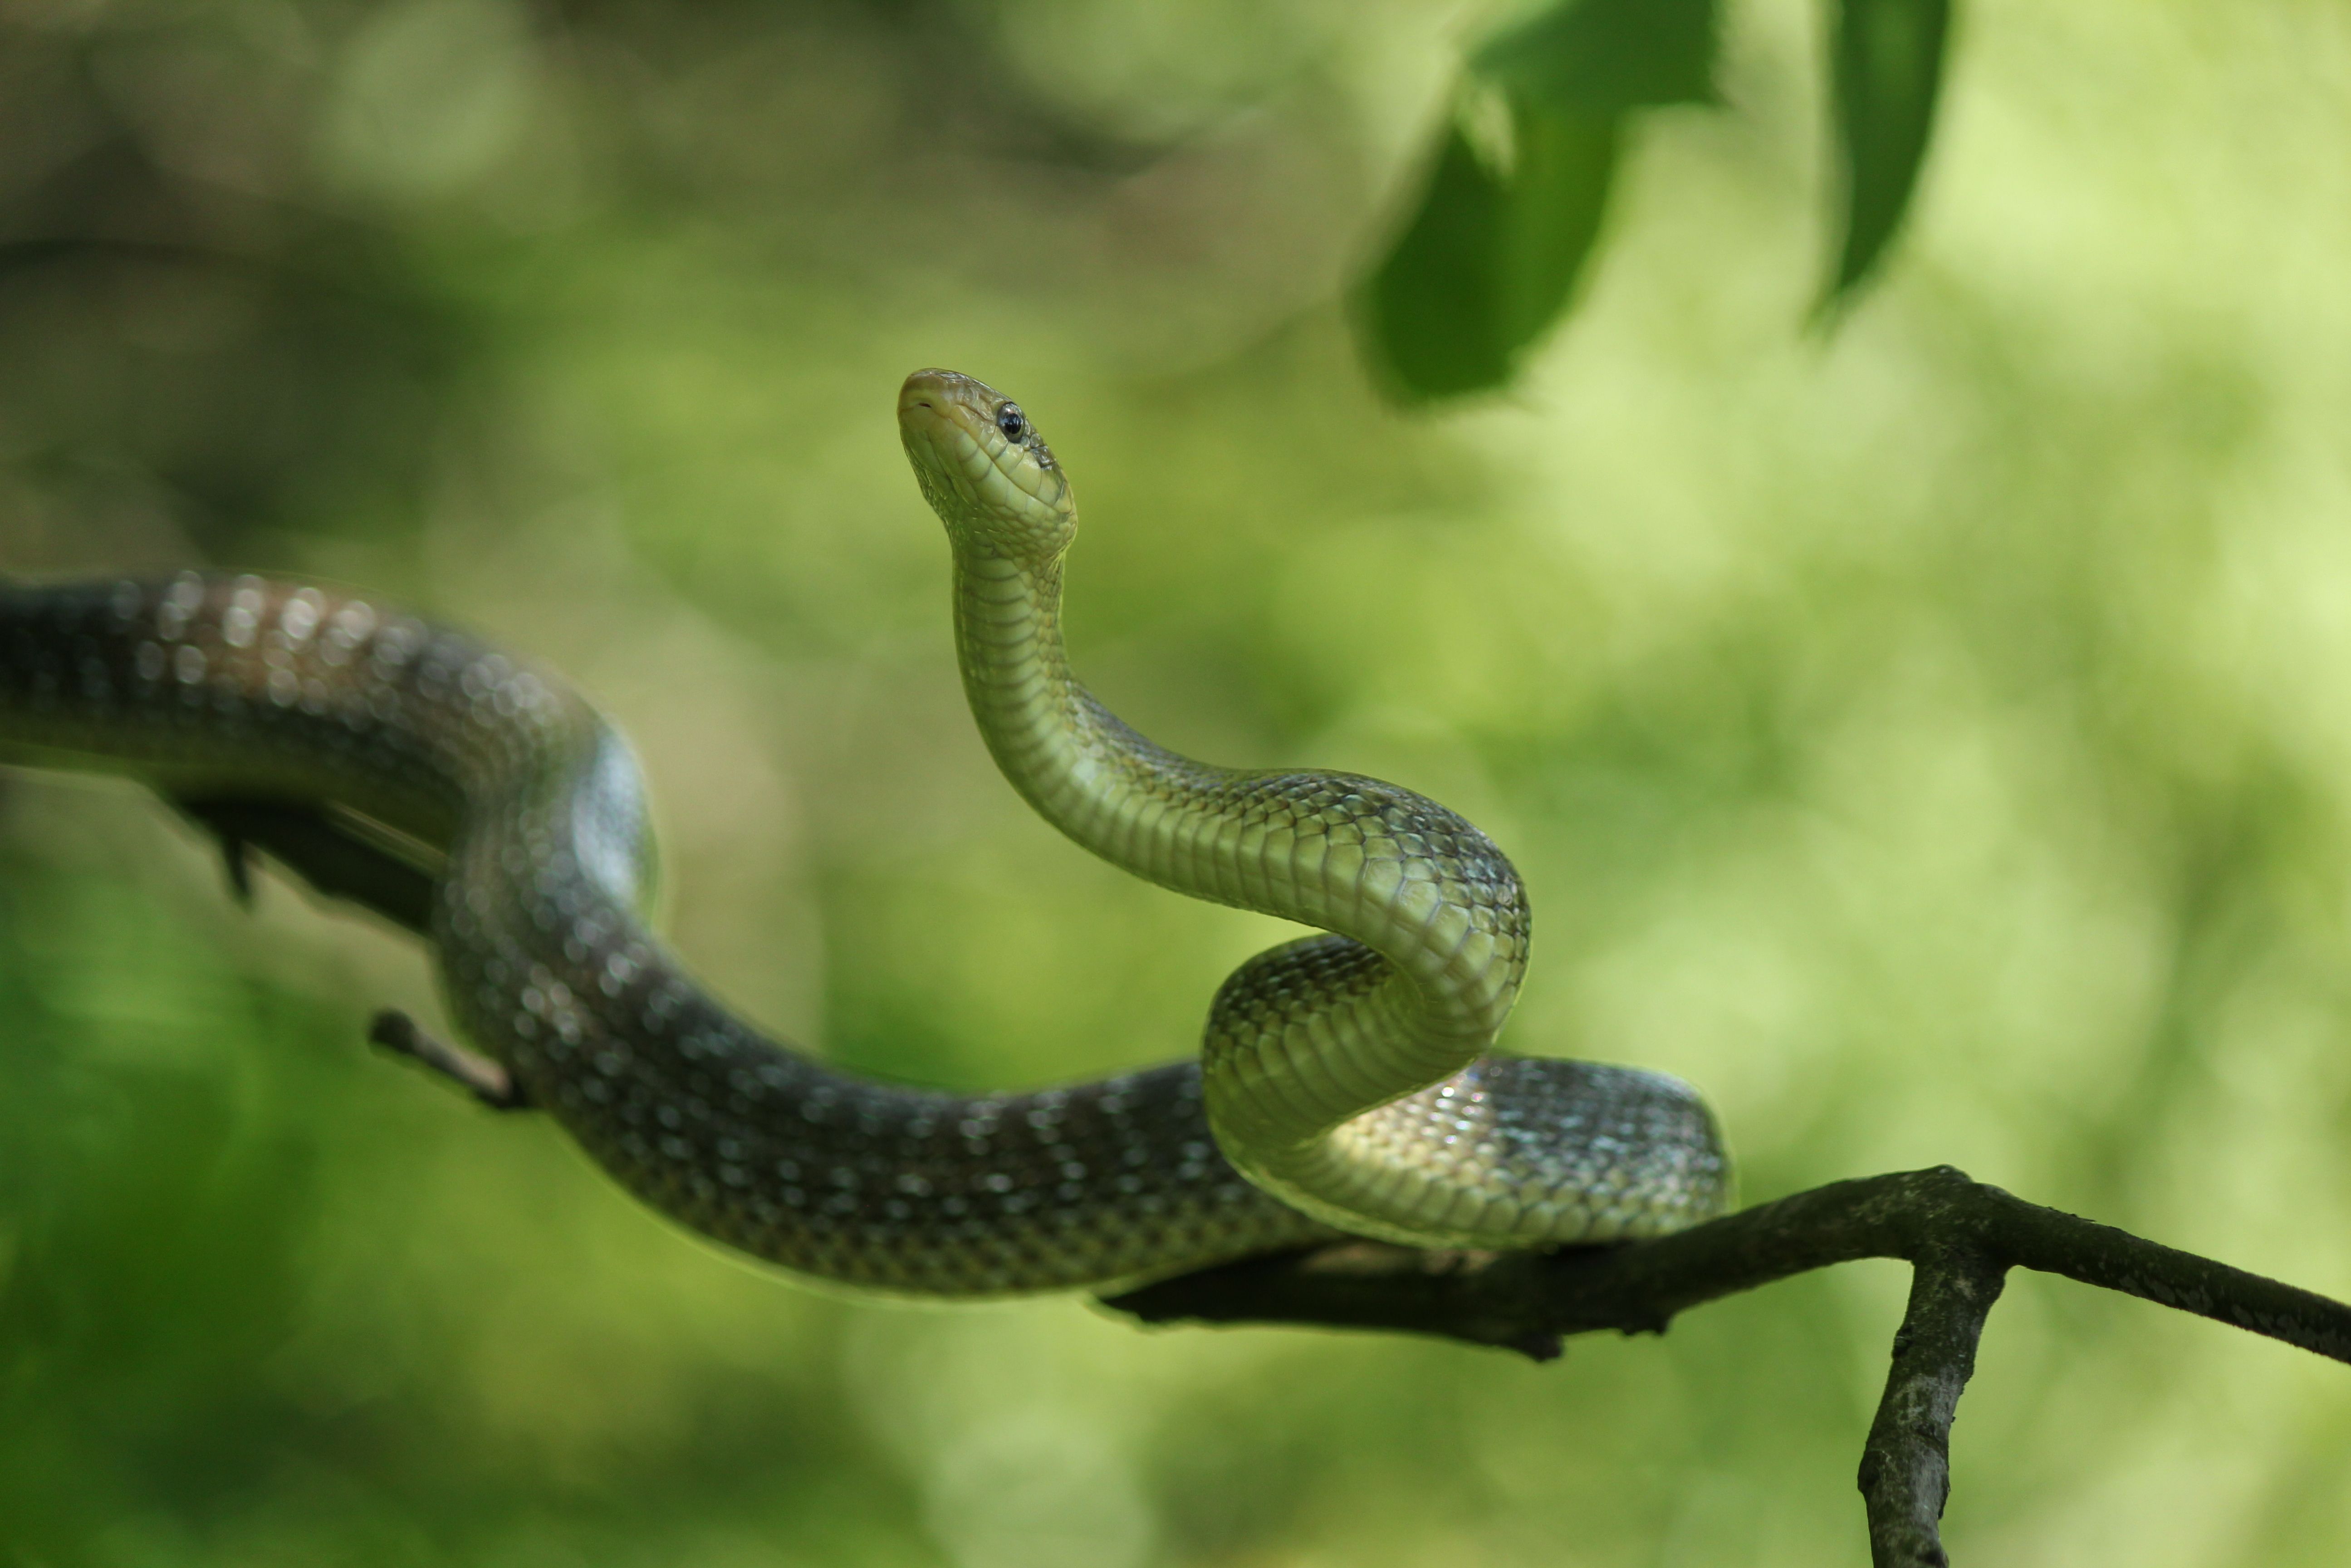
(984,468)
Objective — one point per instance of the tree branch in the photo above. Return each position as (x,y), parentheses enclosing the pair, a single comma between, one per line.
(316,845)
(1905,1464)
(1960,1236)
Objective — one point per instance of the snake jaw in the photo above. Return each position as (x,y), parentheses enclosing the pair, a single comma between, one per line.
(997,496)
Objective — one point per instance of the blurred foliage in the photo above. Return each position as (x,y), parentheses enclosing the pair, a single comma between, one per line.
(1931,740)
(1489,256)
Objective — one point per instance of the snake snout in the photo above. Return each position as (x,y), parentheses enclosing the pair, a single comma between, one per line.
(943,394)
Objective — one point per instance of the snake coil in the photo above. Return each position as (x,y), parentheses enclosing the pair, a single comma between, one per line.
(1348,1082)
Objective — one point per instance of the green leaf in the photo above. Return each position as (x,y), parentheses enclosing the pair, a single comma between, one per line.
(1492,255)
(1603,57)
(1490,258)
(1429,311)
(1888,58)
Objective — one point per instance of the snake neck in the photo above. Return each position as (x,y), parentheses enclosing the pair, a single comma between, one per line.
(1137,805)
(1349,854)
(1307,1038)
(1060,747)
(1144,808)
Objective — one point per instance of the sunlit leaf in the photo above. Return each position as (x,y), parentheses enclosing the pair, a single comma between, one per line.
(1549,217)
(1888,65)
(1601,57)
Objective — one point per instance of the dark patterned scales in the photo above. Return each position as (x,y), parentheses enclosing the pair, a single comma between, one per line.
(254,689)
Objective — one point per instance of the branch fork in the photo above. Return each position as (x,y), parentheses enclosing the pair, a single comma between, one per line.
(1961,1237)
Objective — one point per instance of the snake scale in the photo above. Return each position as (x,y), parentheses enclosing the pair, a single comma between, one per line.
(1348,1082)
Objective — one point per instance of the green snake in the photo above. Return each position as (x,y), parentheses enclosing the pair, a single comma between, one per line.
(1348,1082)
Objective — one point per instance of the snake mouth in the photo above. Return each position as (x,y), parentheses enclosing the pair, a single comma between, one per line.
(928,393)
(949,397)
(939,406)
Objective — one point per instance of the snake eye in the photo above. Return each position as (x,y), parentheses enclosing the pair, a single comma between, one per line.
(1009,420)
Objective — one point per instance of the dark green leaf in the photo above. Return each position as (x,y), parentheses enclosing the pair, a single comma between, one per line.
(1488,259)
(1601,57)
(1888,65)
(1430,309)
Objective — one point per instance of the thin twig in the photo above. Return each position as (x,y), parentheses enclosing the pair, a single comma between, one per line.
(486,1080)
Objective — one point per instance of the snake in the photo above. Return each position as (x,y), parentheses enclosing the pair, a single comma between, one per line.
(1348,1083)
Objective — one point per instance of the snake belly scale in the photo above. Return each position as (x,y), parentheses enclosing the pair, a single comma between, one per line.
(1348,1082)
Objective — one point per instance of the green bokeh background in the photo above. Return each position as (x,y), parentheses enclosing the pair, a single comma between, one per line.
(1933,740)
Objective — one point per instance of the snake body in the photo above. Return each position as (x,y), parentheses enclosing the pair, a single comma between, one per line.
(1348,1084)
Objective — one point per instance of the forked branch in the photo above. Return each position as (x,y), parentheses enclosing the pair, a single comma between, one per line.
(1960,1236)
